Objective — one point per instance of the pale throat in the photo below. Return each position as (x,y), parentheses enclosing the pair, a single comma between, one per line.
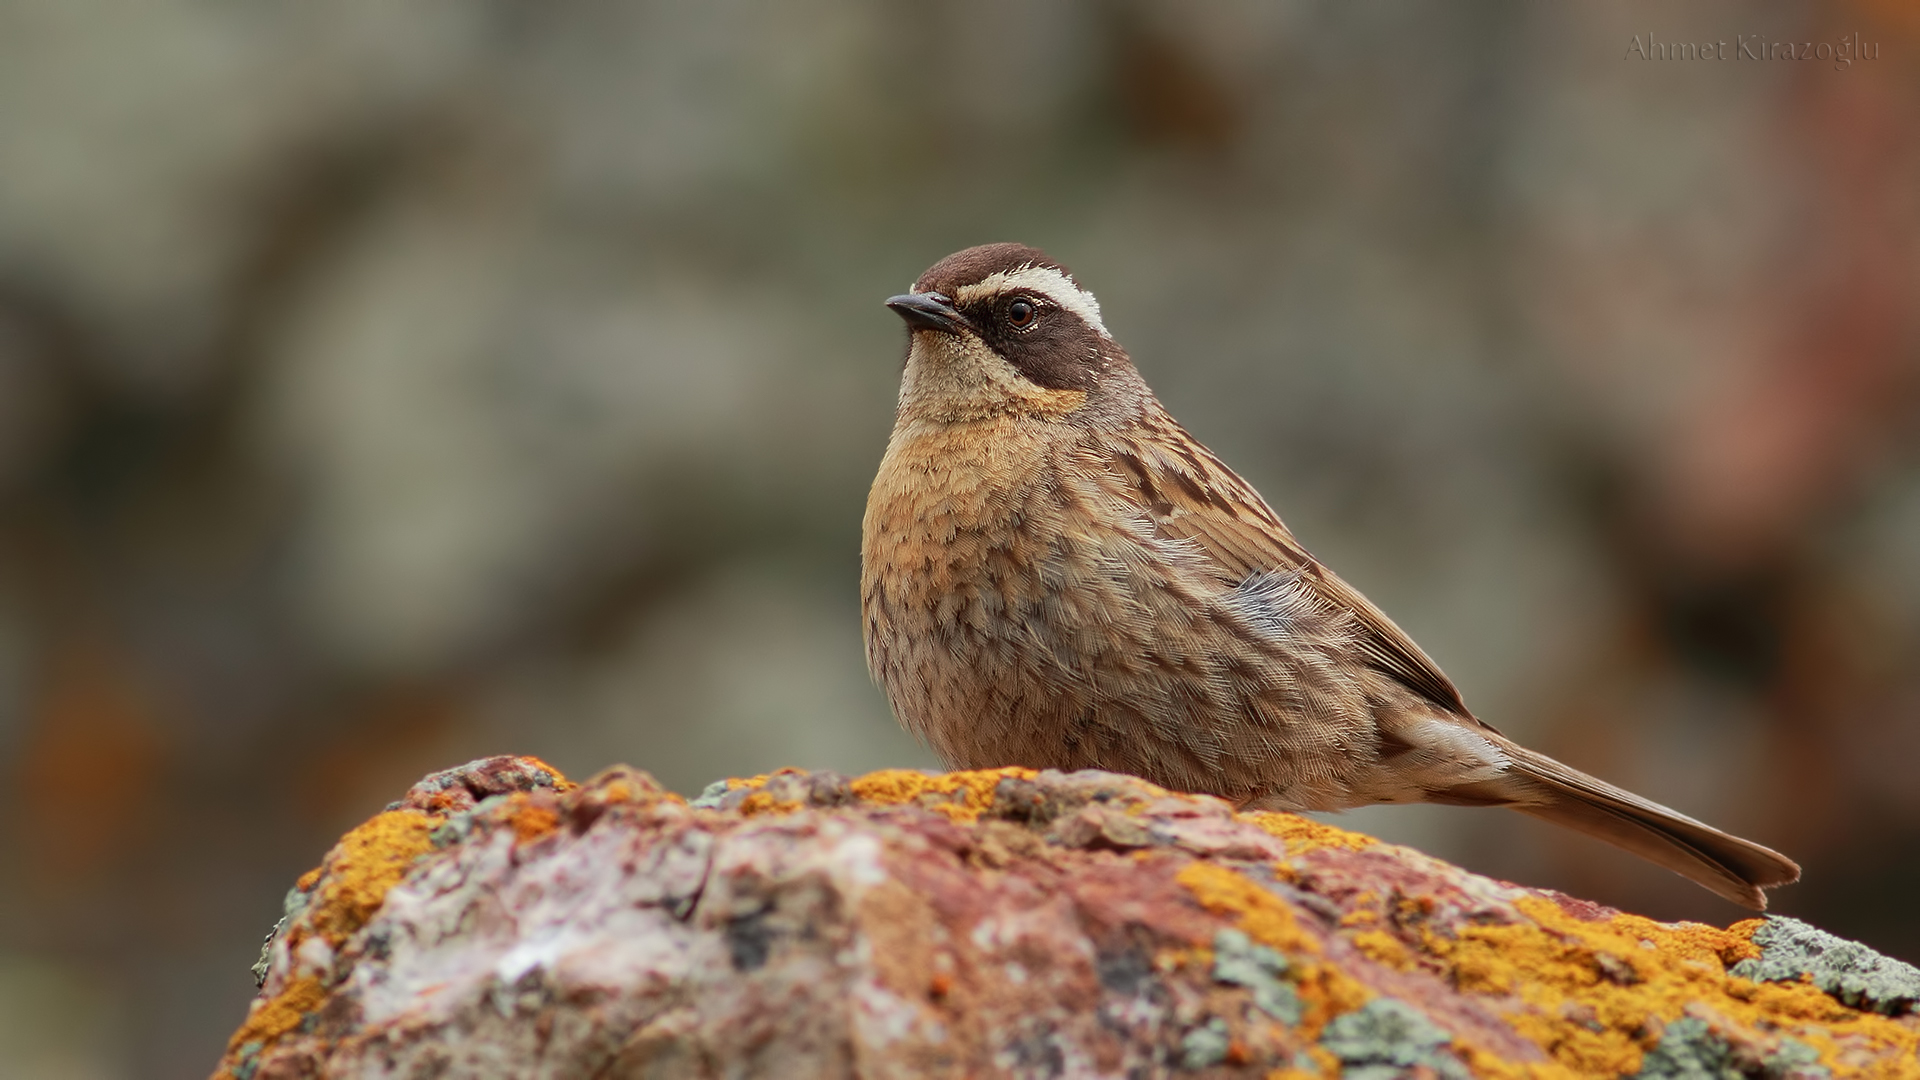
(954,378)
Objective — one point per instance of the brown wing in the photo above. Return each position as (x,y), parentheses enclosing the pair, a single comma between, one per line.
(1190,495)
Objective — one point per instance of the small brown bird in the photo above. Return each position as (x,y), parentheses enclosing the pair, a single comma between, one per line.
(1055,574)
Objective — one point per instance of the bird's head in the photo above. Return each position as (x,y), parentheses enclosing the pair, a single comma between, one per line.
(1003,329)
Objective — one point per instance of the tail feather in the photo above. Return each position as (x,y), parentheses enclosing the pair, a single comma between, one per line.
(1734,868)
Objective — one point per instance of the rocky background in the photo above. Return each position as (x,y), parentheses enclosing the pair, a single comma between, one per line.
(383,386)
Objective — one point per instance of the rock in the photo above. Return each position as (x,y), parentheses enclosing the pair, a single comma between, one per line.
(500,921)
(1791,950)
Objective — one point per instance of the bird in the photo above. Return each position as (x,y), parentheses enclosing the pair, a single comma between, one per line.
(1056,575)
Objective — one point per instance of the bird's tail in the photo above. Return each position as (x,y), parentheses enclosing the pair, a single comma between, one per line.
(1544,788)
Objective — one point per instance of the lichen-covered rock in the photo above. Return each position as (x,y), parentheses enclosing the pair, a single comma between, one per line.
(502,922)
(1790,950)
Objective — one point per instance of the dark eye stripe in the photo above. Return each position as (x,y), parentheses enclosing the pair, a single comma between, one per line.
(1056,349)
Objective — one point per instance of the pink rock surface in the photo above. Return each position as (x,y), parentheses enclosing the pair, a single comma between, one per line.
(501,922)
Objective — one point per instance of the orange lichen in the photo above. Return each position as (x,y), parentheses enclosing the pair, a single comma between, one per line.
(1325,989)
(619,791)
(616,785)
(1325,1062)
(1263,916)
(1329,992)
(364,865)
(1303,834)
(1385,948)
(561,784)
(961,796)
(1743,932)
(735,783)
(530,820)
(1364,913)
(1485,1063)
(1593,995)
(1175,958)
(453,798)
(969,794)
(353,882)
(273,1018)
(761,802)
(1596,996)
(446,802)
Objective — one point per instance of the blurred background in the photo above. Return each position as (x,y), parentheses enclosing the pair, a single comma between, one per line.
(384,386)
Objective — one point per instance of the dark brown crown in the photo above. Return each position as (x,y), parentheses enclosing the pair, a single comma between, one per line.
(976,264)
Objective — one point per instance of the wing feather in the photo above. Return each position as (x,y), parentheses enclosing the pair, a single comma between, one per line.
(1189,495)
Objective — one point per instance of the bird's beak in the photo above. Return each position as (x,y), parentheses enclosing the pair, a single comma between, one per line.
(928,311)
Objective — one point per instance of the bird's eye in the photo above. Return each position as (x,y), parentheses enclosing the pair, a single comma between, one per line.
(1022,314)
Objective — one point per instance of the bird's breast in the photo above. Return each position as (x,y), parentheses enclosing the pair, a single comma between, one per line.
(990,595)
(962,526)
